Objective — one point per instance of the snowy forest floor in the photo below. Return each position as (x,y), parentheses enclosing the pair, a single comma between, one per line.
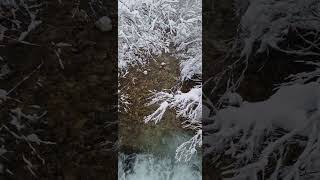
(76,98)
(134,134)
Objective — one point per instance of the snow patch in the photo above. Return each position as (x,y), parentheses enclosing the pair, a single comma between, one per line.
(257,131)
(289,108)
(104,24)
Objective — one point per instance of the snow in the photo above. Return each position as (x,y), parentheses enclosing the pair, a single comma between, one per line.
(189,148)
(35,139)
(29,165)
(158,114)
(187,106)
(234,99)
(293,108)
(288,108)
(3,95)
(259,137)
(14,121)
(4,70)
(104,24)
(141,31)
(143,27)
(268,22)
(145,72)
(150,28)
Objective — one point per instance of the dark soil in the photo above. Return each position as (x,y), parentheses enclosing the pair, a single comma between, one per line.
(80,99)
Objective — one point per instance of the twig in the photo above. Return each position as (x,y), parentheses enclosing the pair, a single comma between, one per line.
(24,79)
(21,41)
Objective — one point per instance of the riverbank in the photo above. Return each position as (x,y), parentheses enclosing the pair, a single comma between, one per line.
(133,132)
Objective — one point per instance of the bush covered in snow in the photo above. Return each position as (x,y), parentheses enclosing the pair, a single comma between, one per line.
(276,138)
(269,22)
(256,134)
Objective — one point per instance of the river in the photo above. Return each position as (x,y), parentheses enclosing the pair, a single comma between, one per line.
(160,164)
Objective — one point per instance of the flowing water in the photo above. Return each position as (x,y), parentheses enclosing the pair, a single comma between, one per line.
(160,163)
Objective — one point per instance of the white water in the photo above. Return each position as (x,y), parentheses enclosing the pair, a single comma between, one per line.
(151,167)
(160,165)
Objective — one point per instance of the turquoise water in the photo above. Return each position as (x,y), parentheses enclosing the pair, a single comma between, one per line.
(160,164)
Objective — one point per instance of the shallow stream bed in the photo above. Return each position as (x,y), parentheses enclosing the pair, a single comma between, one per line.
(147,151)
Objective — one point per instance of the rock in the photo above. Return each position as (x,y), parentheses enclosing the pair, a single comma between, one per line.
(145,72)
(104,24)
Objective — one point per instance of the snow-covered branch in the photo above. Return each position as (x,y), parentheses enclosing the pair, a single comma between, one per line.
(255,133)
(188,106)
